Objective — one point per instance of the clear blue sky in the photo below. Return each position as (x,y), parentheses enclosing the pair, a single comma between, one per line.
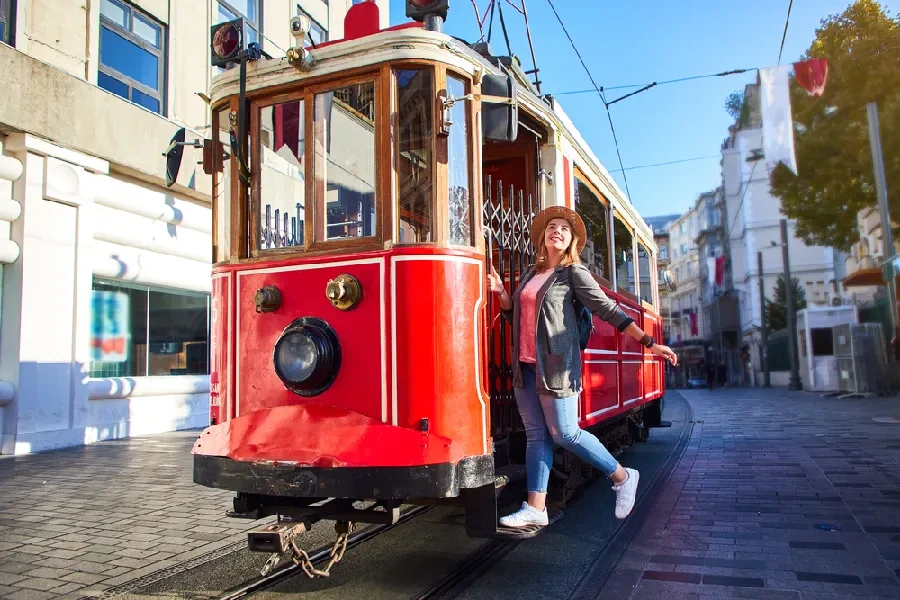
(641,41)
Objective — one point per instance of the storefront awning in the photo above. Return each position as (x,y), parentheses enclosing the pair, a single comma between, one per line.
(864,277)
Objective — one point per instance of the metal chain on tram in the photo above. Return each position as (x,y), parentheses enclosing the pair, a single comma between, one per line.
(302,560)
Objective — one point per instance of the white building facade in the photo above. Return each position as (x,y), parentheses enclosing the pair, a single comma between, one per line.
(753,224)
(104,327)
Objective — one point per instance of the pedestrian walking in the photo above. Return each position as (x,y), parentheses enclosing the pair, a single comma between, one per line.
(546,359)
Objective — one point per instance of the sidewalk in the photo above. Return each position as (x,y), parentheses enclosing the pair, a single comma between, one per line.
(78,521)
(779,495)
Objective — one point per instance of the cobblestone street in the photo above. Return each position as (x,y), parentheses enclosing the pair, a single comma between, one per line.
(779,495)
(76,522)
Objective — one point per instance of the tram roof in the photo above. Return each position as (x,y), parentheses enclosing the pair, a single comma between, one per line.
(416,44)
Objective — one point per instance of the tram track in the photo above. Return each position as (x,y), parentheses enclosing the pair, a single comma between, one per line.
(320,556)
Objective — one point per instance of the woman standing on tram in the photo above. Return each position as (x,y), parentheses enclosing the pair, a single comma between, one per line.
(547,359)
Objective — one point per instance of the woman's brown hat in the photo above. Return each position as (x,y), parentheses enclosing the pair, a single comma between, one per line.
(559,212)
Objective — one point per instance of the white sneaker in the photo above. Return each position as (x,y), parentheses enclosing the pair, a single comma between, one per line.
(625,494)
(527,515)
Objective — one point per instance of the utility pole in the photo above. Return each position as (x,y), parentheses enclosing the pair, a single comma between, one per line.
(794,383)
(887,236)
(764,354)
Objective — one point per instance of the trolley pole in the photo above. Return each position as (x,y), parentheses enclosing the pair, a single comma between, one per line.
(764,353)
(794,383)
(887,236)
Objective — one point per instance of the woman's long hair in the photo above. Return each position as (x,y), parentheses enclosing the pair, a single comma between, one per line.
(570,256)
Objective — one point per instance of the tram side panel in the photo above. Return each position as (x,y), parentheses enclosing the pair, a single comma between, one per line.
(436,315)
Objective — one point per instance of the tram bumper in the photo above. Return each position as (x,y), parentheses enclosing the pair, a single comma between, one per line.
(317,451)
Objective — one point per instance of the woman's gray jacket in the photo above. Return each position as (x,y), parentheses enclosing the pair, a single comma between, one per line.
(558,366)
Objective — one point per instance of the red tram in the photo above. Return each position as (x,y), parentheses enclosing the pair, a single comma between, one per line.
(356,353)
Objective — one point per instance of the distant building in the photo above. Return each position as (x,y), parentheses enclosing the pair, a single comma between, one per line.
(752,225)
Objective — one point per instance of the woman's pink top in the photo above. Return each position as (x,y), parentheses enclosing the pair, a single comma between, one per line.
(528,316)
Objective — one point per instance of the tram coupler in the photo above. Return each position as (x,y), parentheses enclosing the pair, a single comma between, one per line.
(275,538)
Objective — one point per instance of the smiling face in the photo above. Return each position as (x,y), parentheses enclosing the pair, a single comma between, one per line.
(557,236)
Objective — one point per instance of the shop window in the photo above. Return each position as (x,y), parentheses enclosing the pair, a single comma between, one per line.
(7,21)
(132,55)
(282,182)
(345,160)
(624,254)
(595,215)
(460,197)
(138,330)
(645,274)
(415,95)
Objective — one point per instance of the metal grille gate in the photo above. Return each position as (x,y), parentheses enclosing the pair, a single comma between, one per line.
(507,232)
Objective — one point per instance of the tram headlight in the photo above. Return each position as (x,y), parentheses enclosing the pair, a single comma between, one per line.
(307,356)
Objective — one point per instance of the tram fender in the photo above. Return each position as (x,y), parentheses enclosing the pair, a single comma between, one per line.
(318,435)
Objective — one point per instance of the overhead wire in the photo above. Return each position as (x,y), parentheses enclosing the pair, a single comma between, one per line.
(657,83)
(784,35)
(671,162)
(599,93)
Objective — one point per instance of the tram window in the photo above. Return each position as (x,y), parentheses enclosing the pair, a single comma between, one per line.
(282,194)
(458,167)
(222,191)
(595,215)
(415,92)
(645,274)
(131,55)
(624,254)
(345,160)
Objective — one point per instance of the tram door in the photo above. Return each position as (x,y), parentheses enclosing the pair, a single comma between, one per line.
(510,203)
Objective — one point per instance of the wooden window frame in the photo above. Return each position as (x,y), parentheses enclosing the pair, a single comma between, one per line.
(651,261)
(581,176)
(313,242)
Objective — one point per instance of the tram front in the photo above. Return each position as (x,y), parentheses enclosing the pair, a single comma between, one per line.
(348,318)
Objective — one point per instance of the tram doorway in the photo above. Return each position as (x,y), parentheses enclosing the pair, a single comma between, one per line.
(511,200)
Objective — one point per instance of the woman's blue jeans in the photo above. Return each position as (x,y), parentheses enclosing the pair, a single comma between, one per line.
(548,420)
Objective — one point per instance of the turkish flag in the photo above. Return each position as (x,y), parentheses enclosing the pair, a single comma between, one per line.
(812,74)
(720,271)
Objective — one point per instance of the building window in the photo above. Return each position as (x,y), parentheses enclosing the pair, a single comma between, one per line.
(249,10)
(683,249)
(663,252)
(137,330)
(714,250)
(7,21)
(132,55)
(683,227)
(317,33)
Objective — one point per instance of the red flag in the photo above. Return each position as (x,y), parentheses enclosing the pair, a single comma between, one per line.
(812,74)
(720,271)
(693,319)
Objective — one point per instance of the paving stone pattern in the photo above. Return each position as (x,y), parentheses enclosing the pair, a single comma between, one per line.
(779,495)
(78,521)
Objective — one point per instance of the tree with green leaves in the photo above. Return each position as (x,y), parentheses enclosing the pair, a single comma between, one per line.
(776,309)
(835,179)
